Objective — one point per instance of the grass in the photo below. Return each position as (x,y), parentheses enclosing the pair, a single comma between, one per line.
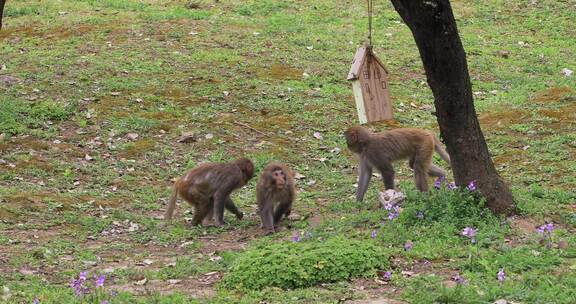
(78,193)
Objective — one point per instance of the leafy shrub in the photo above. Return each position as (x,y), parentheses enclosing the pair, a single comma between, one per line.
(48,110)
(16,116)
(459,207)
(301,264)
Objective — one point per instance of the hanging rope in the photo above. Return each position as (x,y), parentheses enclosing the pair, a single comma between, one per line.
(370,23)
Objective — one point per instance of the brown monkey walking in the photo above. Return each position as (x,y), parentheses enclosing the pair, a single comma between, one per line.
(276,185)
(379,150)
(207,188)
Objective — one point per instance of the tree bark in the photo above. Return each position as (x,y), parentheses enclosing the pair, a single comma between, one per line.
(2,2)
(434,29)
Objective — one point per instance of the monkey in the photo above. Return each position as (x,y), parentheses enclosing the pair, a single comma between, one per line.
(379,150)
(207,188)
(276,185)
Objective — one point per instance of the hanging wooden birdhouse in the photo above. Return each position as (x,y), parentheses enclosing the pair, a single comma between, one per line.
(370,85)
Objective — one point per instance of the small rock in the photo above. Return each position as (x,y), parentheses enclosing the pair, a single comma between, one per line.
(209,136)
(88,157)
(141,282)
(133,227)
(501,301)
(215,258)
(567,72)
(299,176)
(7,80)
(504,54)
(25,271)
(174,281)
(294,217)
(132,136)
(187,137)
(317,135)
(115,93)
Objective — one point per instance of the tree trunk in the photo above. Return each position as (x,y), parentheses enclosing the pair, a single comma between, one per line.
(2,2)
(434,29)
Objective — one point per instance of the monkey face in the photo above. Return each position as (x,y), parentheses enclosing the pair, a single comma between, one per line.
(246,166)
(279,178)
(352,139)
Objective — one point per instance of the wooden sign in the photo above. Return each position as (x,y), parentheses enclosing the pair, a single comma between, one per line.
(370,85)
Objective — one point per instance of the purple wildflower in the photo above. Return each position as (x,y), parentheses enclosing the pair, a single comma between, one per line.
(451,186)
(387,276)
(420,215)
(105,302)
(459,279)
(472,186)
(469,232)
(501,275)
(296,236)
(388,206)
(546,228)
(393,212)
(100,280)
(36,301)
(408,245)
(438,183)
(78,285)
(427,263)
(373,234)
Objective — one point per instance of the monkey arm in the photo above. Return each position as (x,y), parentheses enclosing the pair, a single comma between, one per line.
(266,210)
(229,205)
(365,174)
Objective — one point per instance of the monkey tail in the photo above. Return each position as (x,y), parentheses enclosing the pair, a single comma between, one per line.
(440,150)
(171,203)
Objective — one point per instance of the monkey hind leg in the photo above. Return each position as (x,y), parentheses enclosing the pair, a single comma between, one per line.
(421,170)
(210,215)
(201,211)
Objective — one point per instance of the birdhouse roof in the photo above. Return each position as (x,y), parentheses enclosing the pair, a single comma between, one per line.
(359,58)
